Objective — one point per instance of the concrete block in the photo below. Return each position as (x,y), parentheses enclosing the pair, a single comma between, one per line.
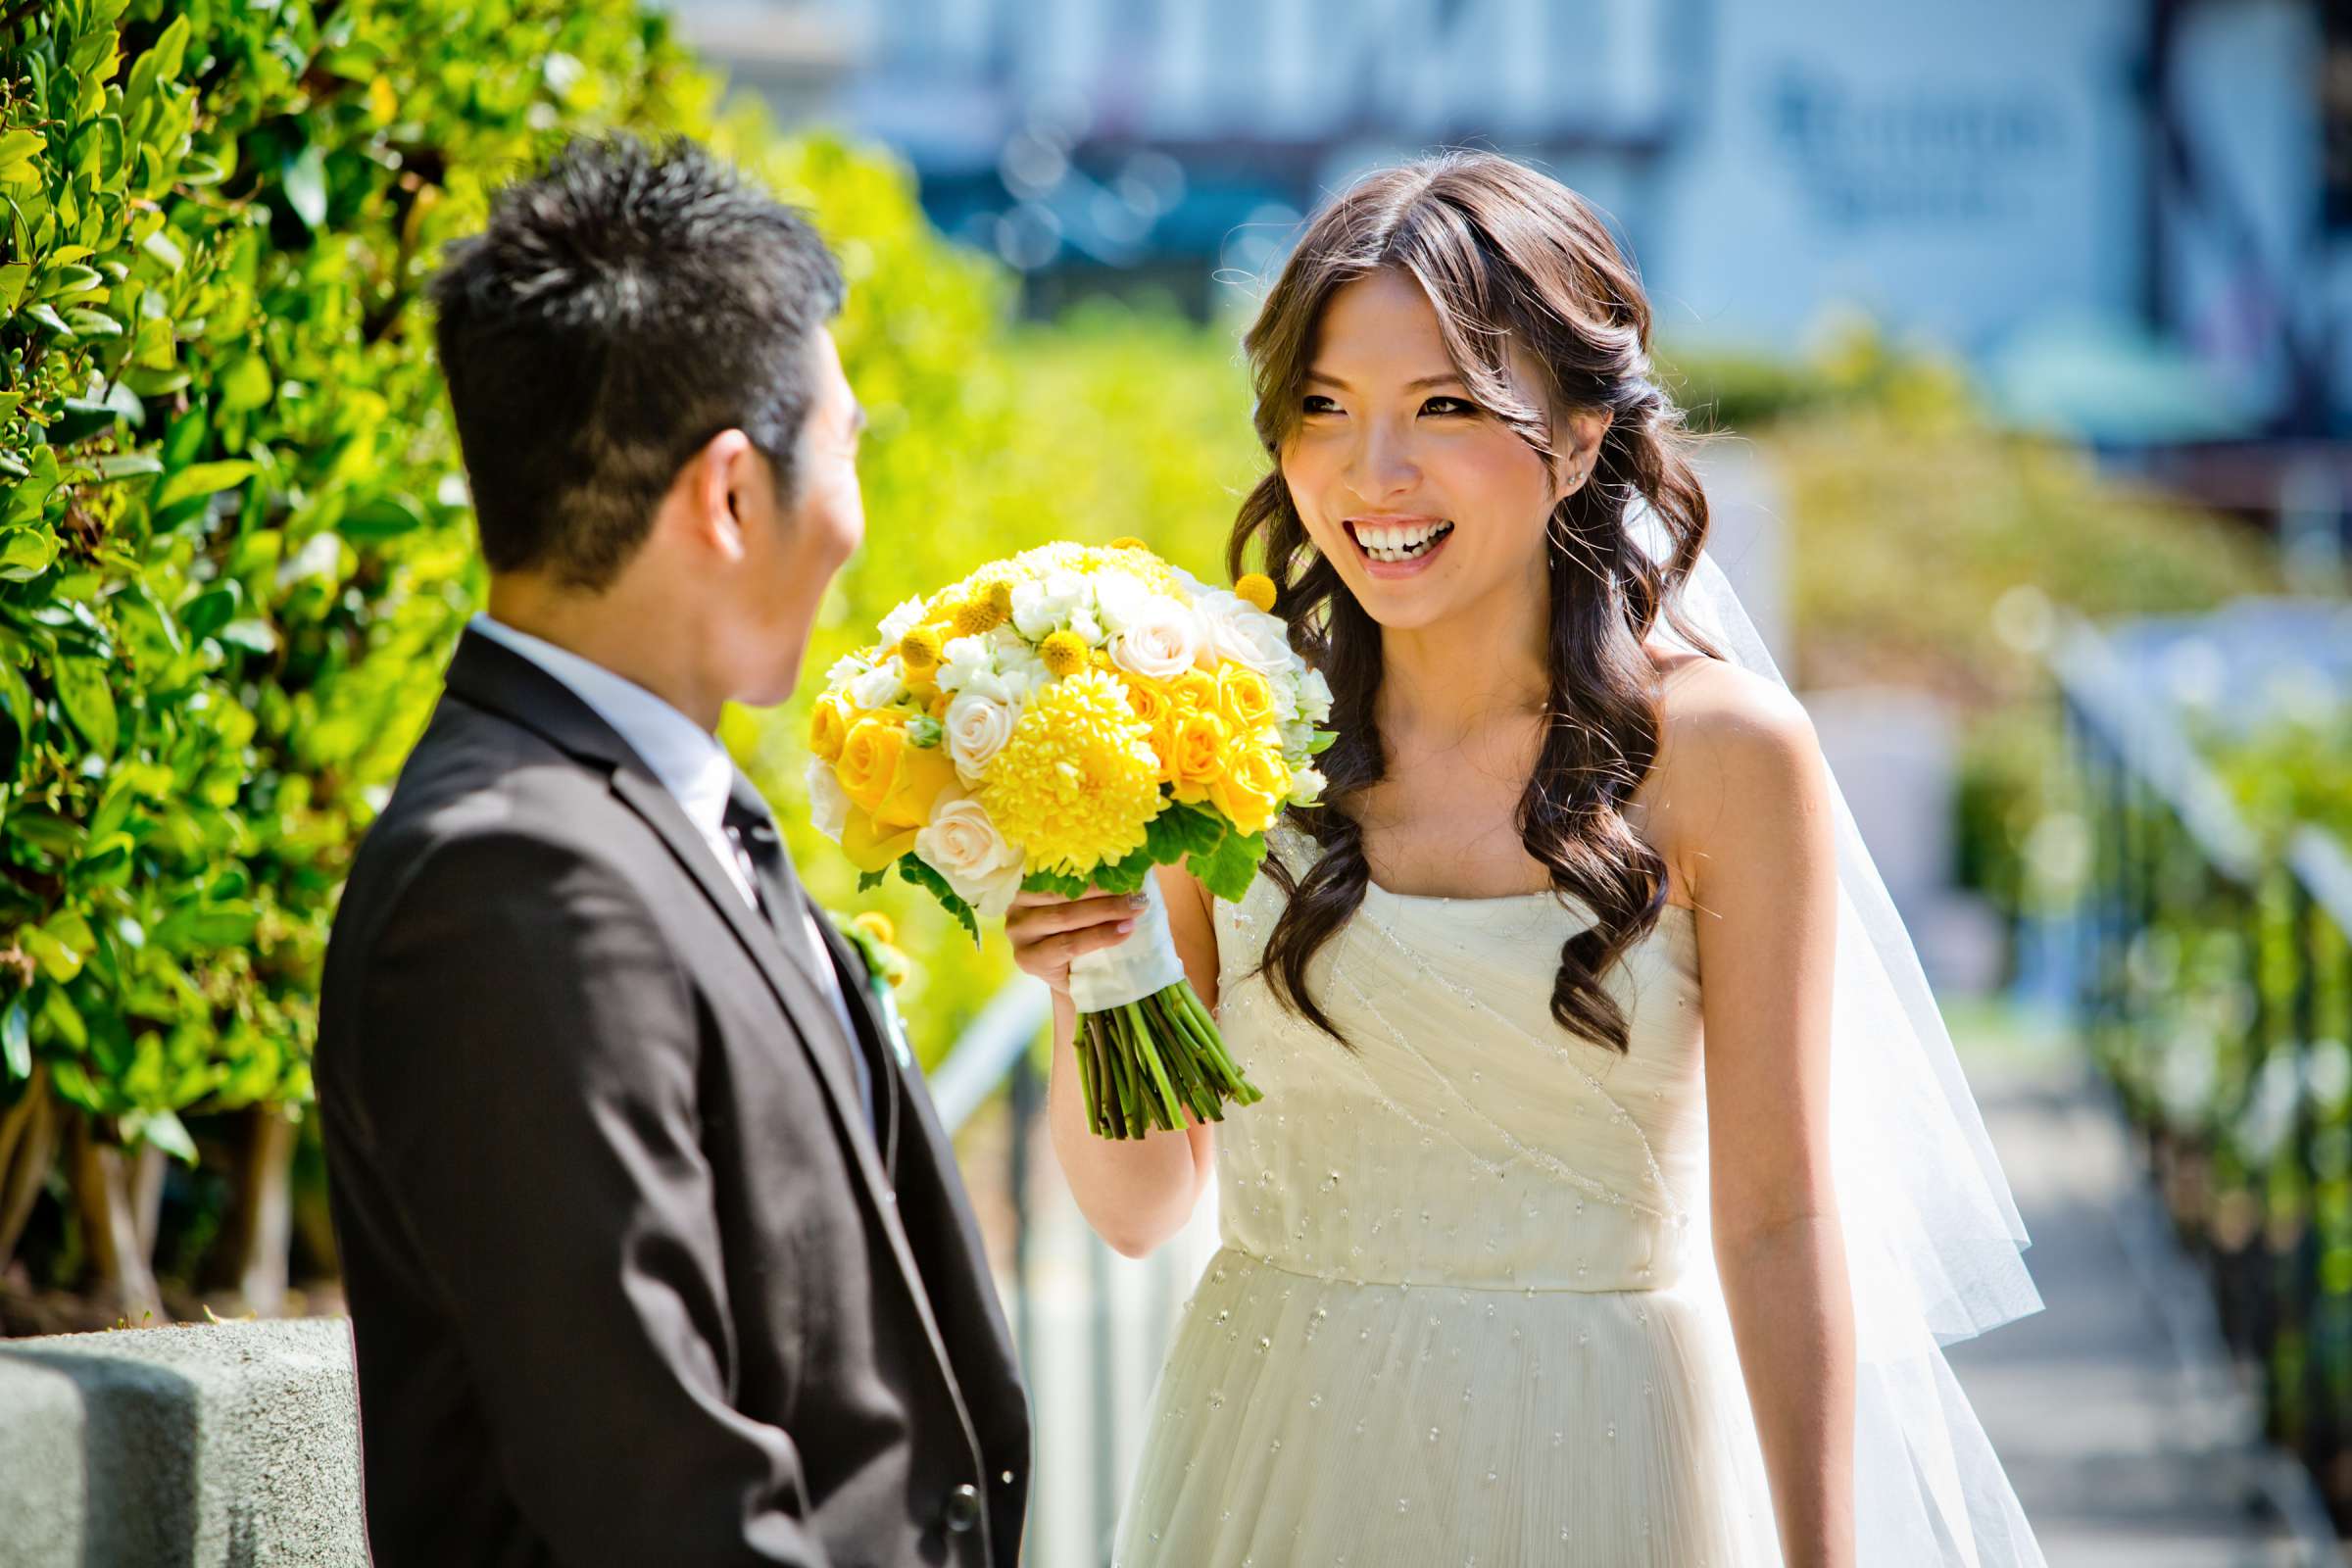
(214,1445)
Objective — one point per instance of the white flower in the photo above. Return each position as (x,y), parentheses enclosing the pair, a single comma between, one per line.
(1296,739)
(978,725)
(1240,631)
(828,802)
(1286,700)
(963,661)
(1162,640)
(878,687)
(901,621)
(1042,603)
(1314,697)
(1120,598)
(847,669)
(1306,786)
(964,846)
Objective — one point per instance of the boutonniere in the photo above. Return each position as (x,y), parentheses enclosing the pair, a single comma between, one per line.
(886,969)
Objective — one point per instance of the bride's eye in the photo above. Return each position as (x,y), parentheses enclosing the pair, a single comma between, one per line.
(1451,408)
(1316,402)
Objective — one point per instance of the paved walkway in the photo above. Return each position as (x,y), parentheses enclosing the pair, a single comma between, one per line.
(2129,1438)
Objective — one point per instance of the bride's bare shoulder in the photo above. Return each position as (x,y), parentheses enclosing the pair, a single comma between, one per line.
(1736,755)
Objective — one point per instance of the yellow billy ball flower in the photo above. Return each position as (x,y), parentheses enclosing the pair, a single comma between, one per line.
(1128,541)
(1077,782)
(1064,653)
(1256,588)
(978,616)
(919,649)
(874,923)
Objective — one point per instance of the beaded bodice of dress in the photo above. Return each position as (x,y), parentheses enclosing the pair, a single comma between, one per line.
(1467,1140)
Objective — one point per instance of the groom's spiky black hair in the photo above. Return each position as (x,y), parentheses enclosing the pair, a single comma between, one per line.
(624,305)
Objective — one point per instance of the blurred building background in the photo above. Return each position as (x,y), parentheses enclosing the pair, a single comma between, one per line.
(2130,216)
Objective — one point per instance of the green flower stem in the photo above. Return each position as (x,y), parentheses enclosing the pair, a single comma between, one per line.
(1149,1065)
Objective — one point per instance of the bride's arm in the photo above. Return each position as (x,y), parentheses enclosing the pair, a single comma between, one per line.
(1136,1193)
(1756,828)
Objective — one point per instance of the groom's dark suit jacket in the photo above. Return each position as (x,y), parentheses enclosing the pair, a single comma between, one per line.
(633,1278)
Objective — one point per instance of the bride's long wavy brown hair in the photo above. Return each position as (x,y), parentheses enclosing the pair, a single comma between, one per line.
(1506,256)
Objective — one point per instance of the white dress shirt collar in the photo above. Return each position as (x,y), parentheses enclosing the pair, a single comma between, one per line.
(686,757)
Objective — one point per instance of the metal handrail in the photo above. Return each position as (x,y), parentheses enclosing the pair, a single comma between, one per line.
(983,1055)
(2171,831)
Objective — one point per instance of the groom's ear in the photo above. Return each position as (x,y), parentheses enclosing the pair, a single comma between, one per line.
(720,483)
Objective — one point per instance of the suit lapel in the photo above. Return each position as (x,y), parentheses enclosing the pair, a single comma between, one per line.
(501,681)
(851,973)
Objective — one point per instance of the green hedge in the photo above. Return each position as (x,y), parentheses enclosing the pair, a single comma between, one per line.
(235,547)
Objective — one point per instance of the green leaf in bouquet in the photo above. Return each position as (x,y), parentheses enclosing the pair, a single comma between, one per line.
(1182,830)
(1322,742)
(1059,883)
(867,881)
(925,731)
(1128,875)
(931,882)
(1227,870)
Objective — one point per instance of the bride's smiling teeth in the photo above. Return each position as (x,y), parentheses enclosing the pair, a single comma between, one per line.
(1397,541)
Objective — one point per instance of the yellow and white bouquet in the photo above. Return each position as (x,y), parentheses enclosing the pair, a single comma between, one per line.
(1068,718)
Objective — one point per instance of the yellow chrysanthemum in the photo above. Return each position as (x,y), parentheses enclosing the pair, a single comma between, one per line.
(1063,652)
(874,923)
(1077,782)
(1256,588)
(919,649)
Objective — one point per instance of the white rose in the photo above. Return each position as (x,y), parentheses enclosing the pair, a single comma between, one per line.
(901,621)
(1120,599)
(828,802)
(877,687)
(1162,640)
(964,846)
(1240,631)
(977,728)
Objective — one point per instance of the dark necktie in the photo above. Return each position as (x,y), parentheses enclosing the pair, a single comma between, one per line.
(755,839)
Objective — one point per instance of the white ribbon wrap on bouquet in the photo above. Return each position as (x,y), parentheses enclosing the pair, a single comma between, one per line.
(1143,966)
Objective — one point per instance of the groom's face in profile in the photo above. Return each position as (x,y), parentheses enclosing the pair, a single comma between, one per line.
(793,545)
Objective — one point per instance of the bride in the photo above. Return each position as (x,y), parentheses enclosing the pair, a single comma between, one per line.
(1539,1249)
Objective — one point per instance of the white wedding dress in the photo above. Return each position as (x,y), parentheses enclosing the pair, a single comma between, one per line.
(1460,1314)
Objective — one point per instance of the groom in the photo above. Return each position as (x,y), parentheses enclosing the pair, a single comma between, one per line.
(654,1248)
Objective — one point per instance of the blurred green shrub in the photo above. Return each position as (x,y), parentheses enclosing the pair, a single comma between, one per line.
(233,539)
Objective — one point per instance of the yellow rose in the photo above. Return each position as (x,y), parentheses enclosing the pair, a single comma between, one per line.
(1243,699)
(1195,692)
(893,782)
(868,847)
(1148,698)
(1194,755)
(828,727)
(1253,789)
